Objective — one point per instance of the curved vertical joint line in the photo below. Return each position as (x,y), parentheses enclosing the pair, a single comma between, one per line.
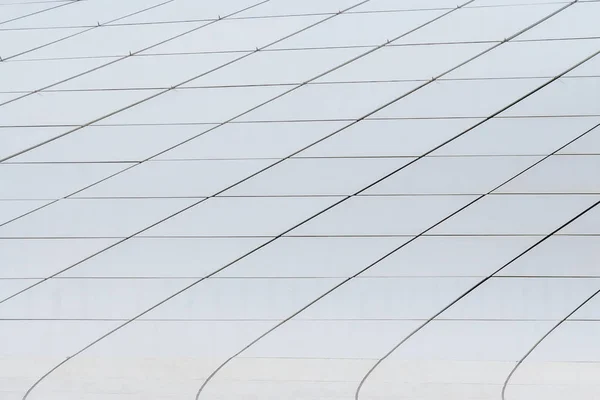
(179,292)
(32,387)
(368,374)
(473,288)
(532,349)
(357,393)
(212,375)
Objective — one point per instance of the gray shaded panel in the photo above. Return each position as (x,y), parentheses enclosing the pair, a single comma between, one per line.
(97,218)
(254,140)
(39,181)
(165,257)
(560,27)
(14,42)
(560,256)
(405,62)
(404,298)
(453,175)
(277,67)
(560,174)
(149,71)
(182,10)
(110,41)
(33,75)
(257,299)
(14,208)
(317,177)
(81,298)
(312,257)
(190,106)
(33,347)
(176,179)
(111,143)
(531,59)
(516,214)
(481,24)
(520,298)
(67,108)
(256,216)
(83,13)
(455,359)
(14,140)
(273,8)
(477,99)
(570,96)
(236,35)
(452,256)
(39,258)
(520,136)
(330,101)
(405,215)
(378,28)
(409,137)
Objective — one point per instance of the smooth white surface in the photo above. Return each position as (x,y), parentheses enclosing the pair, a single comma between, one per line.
(313,309)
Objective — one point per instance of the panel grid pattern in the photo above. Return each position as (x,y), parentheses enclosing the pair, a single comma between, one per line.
(378,199)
